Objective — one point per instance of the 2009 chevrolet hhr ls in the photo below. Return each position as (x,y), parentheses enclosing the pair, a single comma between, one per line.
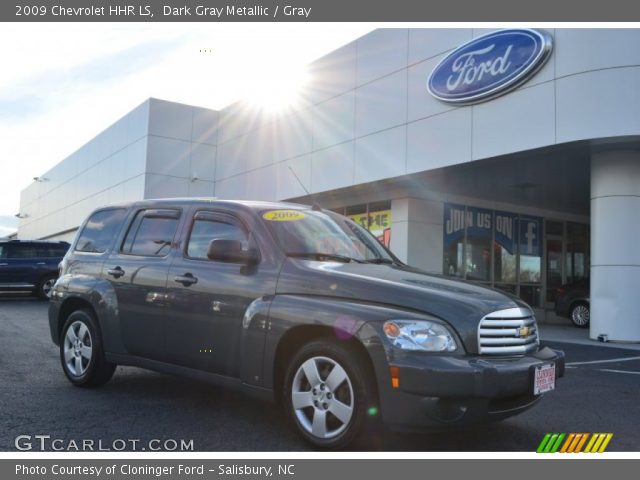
(297,304)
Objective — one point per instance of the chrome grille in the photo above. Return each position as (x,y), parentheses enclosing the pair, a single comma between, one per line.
(508,332)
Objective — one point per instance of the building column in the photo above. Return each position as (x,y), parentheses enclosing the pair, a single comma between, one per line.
(416,232)
(615,240)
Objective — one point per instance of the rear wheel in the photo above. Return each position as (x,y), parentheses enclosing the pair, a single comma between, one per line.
(579,315)
(327,389)
(81,351)
(45,287)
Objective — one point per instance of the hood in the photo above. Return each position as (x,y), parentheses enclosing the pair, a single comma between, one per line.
(461,304)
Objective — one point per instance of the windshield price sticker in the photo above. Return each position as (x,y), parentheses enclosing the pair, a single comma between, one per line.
(283,215)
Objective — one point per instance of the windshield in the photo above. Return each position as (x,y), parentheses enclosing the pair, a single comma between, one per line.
(311,233)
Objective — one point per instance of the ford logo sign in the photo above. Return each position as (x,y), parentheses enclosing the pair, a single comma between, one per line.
(489,66)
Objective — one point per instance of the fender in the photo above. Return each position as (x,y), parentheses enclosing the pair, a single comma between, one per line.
(344,317)
(98,293)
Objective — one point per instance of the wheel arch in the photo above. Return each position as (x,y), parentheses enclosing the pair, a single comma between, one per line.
(71,305)
(296,337)
(579,301)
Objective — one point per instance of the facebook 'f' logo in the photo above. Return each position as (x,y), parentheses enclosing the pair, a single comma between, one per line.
(530,236)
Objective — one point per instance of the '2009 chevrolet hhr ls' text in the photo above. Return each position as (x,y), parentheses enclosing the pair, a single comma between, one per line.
(296,304)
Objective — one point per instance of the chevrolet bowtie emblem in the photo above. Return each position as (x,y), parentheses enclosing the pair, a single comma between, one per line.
(524,332)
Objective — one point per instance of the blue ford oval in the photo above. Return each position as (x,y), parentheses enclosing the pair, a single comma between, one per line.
(489,66)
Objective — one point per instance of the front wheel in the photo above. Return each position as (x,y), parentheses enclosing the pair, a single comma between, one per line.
(327,389)
(579,315)
(45,286)
(81,351)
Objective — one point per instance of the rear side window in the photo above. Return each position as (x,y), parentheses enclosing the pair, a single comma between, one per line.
(151,233)
(206,228)
(3,251)
(22,250)
(50,251)
(98,233)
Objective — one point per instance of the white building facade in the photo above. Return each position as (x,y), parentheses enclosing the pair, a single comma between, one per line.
(526,191)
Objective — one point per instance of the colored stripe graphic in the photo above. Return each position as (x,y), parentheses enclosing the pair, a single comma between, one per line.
(594,437)
(581,443)
(574,443)
(550,443)
(606,442)
(567,443)
(543,443)
(600,442)
(556,446)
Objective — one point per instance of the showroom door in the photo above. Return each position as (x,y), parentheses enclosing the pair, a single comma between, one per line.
(554,264)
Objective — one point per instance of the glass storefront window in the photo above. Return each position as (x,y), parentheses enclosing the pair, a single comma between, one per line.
(375,217)
(453,265)
(504,248)
(510,288)
(531,294)
(577,256)
(530,249)
(455,218)
(479,224)
(500,249)
(530,269)
(478,259)
(504,266)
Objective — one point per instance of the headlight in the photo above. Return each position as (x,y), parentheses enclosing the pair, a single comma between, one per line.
(419,335)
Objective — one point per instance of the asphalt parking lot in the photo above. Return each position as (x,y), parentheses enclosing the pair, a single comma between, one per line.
(599,393)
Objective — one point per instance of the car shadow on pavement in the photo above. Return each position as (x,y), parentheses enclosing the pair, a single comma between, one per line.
(204,407)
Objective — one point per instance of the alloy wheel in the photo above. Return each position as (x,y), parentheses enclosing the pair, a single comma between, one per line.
(580,315)
(78,348)
(47,287)
(322,397)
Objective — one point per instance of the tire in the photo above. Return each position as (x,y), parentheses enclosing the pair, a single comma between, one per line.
(328,416)
(579,314)
(43,290)
(81,352)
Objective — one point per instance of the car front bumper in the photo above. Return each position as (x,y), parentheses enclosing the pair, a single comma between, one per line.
(448,391)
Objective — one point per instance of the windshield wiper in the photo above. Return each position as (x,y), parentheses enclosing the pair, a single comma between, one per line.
(322,256)
(381,260)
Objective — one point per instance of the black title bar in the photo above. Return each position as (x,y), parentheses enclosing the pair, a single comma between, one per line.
(318,11)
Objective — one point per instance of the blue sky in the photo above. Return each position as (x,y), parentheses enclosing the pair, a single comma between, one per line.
(61,84)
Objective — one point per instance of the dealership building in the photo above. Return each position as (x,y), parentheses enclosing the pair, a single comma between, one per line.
(510,158)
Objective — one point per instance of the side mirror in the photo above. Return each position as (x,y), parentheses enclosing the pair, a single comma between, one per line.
(231,251)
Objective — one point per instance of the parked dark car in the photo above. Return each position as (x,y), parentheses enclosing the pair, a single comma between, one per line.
(295,304)
(572,301)
(30,265)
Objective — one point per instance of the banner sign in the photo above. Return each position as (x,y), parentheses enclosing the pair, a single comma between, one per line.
(454,224)
(378,223)
(479,222)
(506,233)
(508,228)
(530,232)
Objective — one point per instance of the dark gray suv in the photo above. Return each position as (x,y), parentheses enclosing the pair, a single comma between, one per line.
(294,304)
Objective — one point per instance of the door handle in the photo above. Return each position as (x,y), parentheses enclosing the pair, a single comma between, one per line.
(186,279)
(3,264)
(116,272)
(41,263)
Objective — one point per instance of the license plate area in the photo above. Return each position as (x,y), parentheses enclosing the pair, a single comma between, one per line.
(544,378)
